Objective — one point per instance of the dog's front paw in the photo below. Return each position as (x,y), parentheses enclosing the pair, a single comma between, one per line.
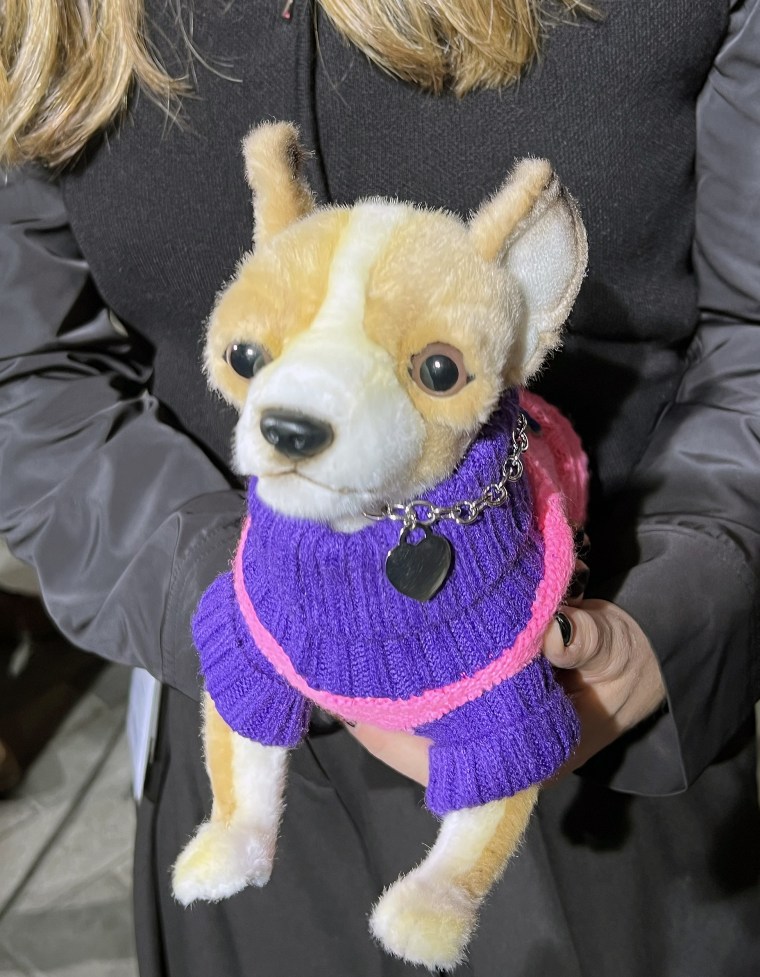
(423,923)
(220,860)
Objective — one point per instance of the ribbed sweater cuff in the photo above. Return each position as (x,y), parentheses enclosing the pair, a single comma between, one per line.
(487,767)
(249,695)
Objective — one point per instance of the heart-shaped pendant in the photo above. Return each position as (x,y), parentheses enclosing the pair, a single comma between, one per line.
(419,570)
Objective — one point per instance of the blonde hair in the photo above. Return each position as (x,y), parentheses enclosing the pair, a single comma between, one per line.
(467,44)
(67,66)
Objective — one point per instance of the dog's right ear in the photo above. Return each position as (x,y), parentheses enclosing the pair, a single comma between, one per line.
(273,163)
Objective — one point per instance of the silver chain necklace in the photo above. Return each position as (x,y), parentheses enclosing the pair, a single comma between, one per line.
(419,570)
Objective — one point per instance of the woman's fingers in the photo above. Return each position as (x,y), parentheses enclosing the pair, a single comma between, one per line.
(581,638)
(606,664)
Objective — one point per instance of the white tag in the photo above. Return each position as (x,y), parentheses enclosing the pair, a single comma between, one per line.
(142,724)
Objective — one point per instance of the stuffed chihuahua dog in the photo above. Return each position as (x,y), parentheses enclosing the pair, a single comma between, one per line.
(409,535)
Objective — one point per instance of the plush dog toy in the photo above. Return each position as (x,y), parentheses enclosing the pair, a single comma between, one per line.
(409,534)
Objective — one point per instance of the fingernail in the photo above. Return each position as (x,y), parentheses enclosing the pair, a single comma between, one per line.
(579,582)
(565,628)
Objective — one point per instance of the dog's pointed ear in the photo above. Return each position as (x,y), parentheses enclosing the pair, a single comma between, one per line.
(273,164)
(533,229)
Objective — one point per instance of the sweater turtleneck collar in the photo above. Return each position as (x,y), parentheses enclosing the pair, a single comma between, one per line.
(324,597)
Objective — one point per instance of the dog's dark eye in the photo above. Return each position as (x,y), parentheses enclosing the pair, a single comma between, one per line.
(246,359)
(439,370)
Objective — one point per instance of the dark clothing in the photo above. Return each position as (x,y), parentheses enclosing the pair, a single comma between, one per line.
(606,883)
(122,499)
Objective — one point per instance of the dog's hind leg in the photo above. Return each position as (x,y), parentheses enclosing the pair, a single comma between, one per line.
(428,916)
(235,847)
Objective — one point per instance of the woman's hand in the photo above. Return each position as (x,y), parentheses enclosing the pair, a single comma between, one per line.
(607,667)
(405,752)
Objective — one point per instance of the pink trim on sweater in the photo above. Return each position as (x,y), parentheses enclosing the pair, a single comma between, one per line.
(568,467)
(559,561)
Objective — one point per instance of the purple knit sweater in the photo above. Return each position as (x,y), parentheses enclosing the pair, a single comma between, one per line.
(323,598)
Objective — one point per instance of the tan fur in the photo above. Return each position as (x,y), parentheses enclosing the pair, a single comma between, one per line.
(467,301)
(218,754)
(252,308)
(499,844)
(428,916)
(235,847)
(496,219)
(446,305)
(429,286)
(378,283)
(437,280)
(273,163)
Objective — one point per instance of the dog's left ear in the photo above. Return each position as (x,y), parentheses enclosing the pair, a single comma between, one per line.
(533,229)
(273,164)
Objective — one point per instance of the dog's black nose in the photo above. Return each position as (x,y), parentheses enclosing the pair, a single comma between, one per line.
(295,435)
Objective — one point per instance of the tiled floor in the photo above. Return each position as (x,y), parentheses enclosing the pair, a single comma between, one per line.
(66,849)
